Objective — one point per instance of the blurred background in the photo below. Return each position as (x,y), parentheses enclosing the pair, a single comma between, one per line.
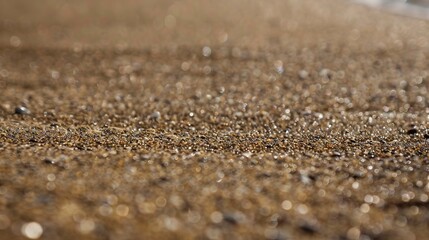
(147,23)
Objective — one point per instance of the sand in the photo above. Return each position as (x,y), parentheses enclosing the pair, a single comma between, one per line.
(236,119)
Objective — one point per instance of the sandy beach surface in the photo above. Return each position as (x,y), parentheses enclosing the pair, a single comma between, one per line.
(238,119)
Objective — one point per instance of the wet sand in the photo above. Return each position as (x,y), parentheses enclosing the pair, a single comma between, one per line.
(212,120)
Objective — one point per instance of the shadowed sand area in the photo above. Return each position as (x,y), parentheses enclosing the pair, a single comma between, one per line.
(237,119)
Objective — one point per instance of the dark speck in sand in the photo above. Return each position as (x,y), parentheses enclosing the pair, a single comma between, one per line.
(412,131)
(309,227)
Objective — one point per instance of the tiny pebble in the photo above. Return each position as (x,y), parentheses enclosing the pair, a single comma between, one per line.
(22,110)
(230,218)
(207,51)
(155,116)
(32,230)
(303,74)
(336,154)
(49,161)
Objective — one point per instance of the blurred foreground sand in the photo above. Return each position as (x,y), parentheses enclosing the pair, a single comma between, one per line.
(236,119)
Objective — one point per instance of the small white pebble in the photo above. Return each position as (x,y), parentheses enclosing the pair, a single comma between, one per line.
(155,116)
(286,205)
(32,230)
(303,74)
(324,72)
(207,51)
